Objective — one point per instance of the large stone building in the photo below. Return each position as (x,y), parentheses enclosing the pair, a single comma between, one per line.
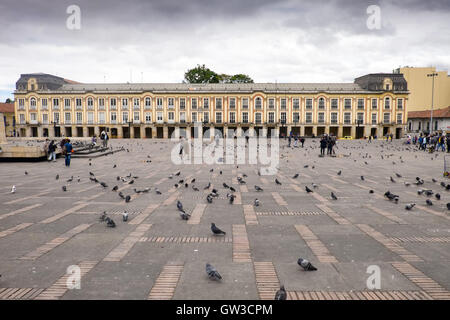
(46,105)
(420,86)
(7,109)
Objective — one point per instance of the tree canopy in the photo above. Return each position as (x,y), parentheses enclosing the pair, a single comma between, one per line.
(202,74)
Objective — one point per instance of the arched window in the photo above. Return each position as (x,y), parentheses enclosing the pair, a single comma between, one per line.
(90,102)
(387,103)
(321,103)
(148,102)
(33,103)
(258,103)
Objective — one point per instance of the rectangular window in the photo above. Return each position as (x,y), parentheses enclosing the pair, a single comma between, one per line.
(45,118)
(33,117)
(125,117)
(171,103)
(361,104)
(159,103)
(136,103)
(334,118)
(374,118)
(101,117)
(360,117)
(205,117)
(182,103)
(271,103)
(334,104)
(232,103)
(321,103)
(148,117)
(148,103)
(56,103)
(374,103)
(67,117)
(283,117)
(90,117)
(232,117)
(21,103)
(194,103)
(387,103)
(136,117)
(44,104)
(22,118)
(271,117)
(321,117)
(347,118)
(218,117)
(101,103)
(386,117)
(308,117)
(245,103)
(171,116)
(258,117)
(56,117)
(245,117)
(296,117)
(308,103)
(283,104)
(194,116)
(206,103)
(113,103)
(79,117)
(218,103)
(400,118)
(296,103)
(33,104)
(182,117)
(347,103)
(399,104)
(66,103)
(125,103)
(159,117)
(113,117)
(78,103)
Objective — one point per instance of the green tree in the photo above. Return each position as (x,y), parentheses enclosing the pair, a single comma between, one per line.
(8,100)
(201,74)
(241,78)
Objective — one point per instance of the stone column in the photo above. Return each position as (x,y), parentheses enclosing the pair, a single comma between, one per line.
(28,131)
(97,131)
(142,132)
(277,132)
(289,129)
(327,130)
(40,132)
(51,131)
(154,132)
(302,131)
(212,133)
(165,132)
(131,128)
(340,132)
(177,132)
(2,130)
(366,131)
(264,131)
(353,132)
(85,131)
(314,130)
(238,132)
(74,132)
(120,132)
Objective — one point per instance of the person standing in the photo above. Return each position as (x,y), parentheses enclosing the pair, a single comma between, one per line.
(289,141)
(68,152)
(302,140)
(52,151)
(323,145)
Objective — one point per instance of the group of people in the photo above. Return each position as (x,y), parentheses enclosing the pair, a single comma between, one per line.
(297,139)
(103,136)
(327,142)
(432,142)
(66,147)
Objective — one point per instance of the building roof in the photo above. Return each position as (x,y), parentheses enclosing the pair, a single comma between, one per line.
(6,107)
(438,113)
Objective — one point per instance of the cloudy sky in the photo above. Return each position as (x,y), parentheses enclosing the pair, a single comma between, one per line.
(158,40)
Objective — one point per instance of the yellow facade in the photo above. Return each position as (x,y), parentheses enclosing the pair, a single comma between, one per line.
(8,118)
(83,114)
(420,87)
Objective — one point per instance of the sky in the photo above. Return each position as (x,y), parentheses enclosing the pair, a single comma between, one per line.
(271,41)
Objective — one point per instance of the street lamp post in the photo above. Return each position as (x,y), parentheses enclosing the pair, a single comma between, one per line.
(432,75)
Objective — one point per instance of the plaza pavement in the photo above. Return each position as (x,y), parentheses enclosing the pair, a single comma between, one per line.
(156,255)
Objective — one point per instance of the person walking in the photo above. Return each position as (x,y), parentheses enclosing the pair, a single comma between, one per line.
(302,140)
(52,151)
(289,141)
(323,145)
(295,141)
(68,152)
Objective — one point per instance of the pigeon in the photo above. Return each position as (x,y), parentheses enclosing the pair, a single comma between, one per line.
(220,171)
(78,179)
(371,191)
(277,182)
(225,185)
(114,166)
(216,230)
(64,188)
(208,186)
(295,176)
(70,179)
(212,272)
(104,185)
(281,294)
(407,184)
(121,195)
(306,265)
(231,198)
(127,199)
(211,170)
(131,182)
(232,189)
(13,189)
(419,192)
(314,185)
(410,206)
(308,190)
(448,205)
(209,198)
(214,193)
(115,188)
(256,203)
(184,215)
(103,216)
(333,196)
(392,180)
(438,196)
(157,191)
(180,206)
(193,180)
(257,188)
(398,175)
(110,222)
(428,192)
(57,177)
(125,216)
(362,178)
(429,202)
(90,173)
(26,172)
(434,180)
(186,185)
(339,172)
(118,178)
(195,188)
